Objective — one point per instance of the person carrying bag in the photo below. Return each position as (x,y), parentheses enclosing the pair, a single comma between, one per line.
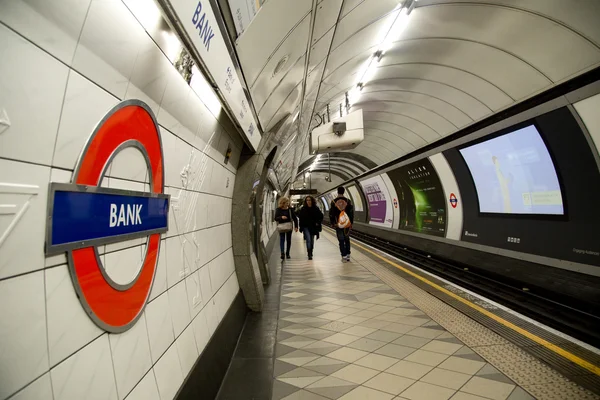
(310,223)
(286,223)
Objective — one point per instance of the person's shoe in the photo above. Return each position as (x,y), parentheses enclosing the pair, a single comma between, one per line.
(343,258)
(288,256)
(348,258)
(310,256)
(282,256)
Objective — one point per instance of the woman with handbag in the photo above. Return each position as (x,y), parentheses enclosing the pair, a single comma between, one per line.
(310,223)
(286,223)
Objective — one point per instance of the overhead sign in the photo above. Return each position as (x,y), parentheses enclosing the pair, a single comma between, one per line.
(82,216)
(201,25)
(453,200)
(302,191)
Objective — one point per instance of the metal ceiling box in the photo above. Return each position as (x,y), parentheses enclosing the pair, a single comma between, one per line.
(325,138)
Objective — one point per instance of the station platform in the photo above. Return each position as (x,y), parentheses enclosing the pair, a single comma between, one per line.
(360,330)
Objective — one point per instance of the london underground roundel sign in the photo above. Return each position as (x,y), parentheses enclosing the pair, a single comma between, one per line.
(82,216)
(453,200)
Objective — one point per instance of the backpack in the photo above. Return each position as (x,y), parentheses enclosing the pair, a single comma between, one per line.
(343,219)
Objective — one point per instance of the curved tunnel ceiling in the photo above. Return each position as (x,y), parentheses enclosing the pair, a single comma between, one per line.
(455,63)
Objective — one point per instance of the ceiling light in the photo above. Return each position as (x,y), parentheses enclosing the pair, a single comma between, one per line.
(396,30)
(296,117)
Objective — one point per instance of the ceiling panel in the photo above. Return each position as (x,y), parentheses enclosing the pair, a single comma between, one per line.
(401,132)
(364,39)
(544,47)
(274,109)
(423,131)
(282,91)
(363,15)
(467,82)
(283,60)
(510,74)
(446,110)
(327,15)
(390,141)
(270,27)
(433,120)
(319,51)
(580,16)
(350,5)
(467,103)
(456,62)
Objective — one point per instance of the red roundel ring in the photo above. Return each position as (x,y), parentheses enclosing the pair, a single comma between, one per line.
(131,123)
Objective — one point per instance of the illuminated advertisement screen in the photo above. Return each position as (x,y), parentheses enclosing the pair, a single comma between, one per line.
(514,174)
(421,198)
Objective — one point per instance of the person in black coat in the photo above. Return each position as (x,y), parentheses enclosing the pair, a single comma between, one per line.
(284,214)
(310,223)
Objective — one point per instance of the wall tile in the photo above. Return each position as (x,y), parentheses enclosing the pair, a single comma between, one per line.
(201,333)
(160,326)
(39,389)
(178,304)
(169,376)
(211,313)
(176,268)
(131,356)
(177,156)
(23,193)
(88,374)
(159,285)
(32,87)
(194,293)
(107,56)
(149,77)
(69,326)
(53,26)
(85,105)
(205,282)
(146,389)
(24,353)
(187,350)
(172,108)
(129,164)
(123,266)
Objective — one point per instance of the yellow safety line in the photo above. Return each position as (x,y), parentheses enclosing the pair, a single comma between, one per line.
(571,357)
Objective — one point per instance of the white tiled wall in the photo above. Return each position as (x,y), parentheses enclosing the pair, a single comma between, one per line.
(63,65)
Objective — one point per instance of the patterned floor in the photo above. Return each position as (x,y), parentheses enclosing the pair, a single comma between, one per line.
(344,334)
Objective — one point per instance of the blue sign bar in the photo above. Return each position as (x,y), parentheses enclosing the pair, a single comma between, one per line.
(82,217)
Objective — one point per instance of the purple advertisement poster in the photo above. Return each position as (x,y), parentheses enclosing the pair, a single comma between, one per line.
(377,201)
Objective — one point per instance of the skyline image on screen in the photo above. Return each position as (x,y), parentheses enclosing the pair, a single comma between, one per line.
(514,174)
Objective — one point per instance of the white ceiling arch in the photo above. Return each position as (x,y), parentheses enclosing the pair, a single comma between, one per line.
(455,63)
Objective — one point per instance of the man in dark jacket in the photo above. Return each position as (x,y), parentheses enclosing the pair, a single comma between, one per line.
(341,217)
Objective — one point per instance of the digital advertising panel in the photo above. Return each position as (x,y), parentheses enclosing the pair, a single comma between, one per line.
(514,174)
(421,198)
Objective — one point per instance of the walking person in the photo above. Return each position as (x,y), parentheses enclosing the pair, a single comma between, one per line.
(286,223)
(310,223)
(341,217)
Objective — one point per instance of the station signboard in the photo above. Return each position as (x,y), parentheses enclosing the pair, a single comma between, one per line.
(83,215)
